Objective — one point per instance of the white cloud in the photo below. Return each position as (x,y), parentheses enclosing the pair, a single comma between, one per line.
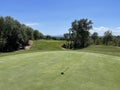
(118,28)
(116,31)
(32,24)
(100,30)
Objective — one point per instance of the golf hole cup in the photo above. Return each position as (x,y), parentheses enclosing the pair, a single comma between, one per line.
(62,73)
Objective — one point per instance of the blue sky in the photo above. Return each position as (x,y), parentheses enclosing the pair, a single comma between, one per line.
(54,17)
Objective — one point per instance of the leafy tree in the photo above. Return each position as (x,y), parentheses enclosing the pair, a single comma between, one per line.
(116,40)
(23,36)
(107,37)
(29,32)
(80,32)
(2,39)
(48,37)
(41,35)
(36,34)
(98,41)
(66,36)
(13,34)
(95,37)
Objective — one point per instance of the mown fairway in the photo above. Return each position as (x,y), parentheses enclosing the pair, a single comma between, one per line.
(83,70)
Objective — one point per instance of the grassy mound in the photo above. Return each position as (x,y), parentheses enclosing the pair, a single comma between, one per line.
(40,46)
(42,71)
(102,49)
(55,45)
(47,45)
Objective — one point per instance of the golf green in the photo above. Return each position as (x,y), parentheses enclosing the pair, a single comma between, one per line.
(42,71)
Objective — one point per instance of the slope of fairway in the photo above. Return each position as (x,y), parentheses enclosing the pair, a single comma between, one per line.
(47,45)
(55,45)
(109,50)
(40,46)
(42,71)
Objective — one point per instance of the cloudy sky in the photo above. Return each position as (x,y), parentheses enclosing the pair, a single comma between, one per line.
(54,17)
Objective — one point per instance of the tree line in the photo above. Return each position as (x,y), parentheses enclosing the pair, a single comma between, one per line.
(80,37)
(107,39)
(14,35)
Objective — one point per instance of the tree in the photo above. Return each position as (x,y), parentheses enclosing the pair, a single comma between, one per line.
(66,36)
(95,37)
(48,37)
(80,32)
(107,37)
(116,40)
(2,40)
(13,34)
(41,35)
(36,34)
(29,32)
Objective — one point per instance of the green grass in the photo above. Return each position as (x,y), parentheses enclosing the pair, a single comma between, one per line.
(40,46)
(47,45)
(41,71)
(92,68)
(55,45)
(109,50)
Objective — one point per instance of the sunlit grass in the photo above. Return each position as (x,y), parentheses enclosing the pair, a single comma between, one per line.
(92,68)
(42,71)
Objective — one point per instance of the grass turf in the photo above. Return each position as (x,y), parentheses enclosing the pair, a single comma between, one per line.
(109,50)
(40,46)
(93,68)
(47,45)
(55,45)
(42,71)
